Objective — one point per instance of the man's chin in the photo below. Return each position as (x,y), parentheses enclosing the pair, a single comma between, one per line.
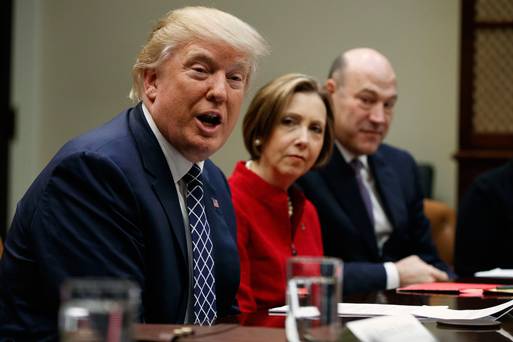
(201,151)
(366,149)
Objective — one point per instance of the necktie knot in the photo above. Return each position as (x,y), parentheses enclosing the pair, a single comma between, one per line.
(193,175)
(357,165)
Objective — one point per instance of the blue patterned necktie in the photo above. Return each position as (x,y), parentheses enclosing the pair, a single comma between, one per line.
(357,166)
(205,310)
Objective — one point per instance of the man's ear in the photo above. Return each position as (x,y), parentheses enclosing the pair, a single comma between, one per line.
(150,84)
(330,85)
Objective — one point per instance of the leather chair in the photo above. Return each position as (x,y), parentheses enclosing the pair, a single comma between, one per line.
(426,177)
(443,227)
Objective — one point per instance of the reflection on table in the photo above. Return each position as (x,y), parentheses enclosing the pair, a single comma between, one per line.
(260,326)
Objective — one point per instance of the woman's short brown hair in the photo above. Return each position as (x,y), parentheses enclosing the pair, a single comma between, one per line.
(270,100)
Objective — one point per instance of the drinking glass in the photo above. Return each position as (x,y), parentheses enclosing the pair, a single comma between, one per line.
(98,309)
(314,286)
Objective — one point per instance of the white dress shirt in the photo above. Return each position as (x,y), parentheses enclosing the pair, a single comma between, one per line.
(382,226)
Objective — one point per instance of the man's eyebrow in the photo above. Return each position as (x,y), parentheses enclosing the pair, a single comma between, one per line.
(241,65)
(375,93)
(368,90)
(200,56)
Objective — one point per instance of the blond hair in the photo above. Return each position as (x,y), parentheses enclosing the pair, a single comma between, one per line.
(181,26)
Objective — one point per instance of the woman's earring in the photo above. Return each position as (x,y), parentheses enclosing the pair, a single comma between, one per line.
(257,142)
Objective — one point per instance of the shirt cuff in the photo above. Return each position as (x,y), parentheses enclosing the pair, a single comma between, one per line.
(392,275)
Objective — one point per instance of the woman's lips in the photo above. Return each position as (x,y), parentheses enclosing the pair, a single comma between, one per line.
(294,156)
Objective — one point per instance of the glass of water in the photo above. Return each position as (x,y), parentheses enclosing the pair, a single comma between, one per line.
(314,286)
(98,309)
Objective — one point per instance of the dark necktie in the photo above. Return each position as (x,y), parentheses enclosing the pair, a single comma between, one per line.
(205,310)
(357,166)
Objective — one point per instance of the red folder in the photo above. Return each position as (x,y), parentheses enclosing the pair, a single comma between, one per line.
(447,287)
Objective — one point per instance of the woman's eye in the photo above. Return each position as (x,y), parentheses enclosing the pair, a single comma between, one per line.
(287,121)
(316,129)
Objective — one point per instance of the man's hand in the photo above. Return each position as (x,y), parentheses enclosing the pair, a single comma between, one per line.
(413,270)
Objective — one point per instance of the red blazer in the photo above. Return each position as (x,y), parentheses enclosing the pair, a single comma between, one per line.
(267,237)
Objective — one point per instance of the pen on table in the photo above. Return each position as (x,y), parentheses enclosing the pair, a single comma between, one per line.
(505,287)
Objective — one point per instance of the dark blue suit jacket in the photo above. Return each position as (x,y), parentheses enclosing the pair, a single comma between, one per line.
(347,230)
(106,206)
(485,223)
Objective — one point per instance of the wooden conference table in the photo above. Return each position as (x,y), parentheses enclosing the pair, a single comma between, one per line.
(260,326)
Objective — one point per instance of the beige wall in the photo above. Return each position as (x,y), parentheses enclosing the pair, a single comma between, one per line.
(72,63)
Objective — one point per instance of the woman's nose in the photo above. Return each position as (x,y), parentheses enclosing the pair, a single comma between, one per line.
(303,137)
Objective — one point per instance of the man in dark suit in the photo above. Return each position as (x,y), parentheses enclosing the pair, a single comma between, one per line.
(485,223)
(368,196)
(137,198)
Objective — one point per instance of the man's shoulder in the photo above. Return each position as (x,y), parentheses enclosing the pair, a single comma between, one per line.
(112,140)
(316,183)
(392,153)
(502,172)
(96,138)
(313,179)
(215,176)
(390,160)
(109,142)
(212,170)
(498,180)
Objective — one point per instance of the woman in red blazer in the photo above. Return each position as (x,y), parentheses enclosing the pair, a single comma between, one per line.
(288,129)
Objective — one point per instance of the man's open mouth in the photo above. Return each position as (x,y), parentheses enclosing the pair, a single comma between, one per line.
(210,119)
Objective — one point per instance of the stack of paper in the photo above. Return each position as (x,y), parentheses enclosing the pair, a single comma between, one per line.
(436,312)
(495,273)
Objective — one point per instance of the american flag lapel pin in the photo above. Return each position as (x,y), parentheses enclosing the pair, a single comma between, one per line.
(215,203)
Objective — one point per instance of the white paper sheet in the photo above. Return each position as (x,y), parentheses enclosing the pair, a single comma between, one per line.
(436,312)
(400,328)
(495,273)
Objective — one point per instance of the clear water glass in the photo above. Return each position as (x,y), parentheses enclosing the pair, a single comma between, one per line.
(314,286)
(98,310)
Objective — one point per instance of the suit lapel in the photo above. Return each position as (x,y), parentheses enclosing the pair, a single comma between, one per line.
(209,200)
(213,208)
(161,179)
(341,179)
(389,188)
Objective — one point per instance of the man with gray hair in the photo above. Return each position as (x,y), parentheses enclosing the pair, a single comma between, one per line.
(368,195)
(138,198)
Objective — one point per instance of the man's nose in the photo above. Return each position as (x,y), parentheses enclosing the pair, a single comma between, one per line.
(377,114)
(217,88)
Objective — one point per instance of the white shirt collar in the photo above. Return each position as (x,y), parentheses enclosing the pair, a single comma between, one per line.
(349,156)
(177,163)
